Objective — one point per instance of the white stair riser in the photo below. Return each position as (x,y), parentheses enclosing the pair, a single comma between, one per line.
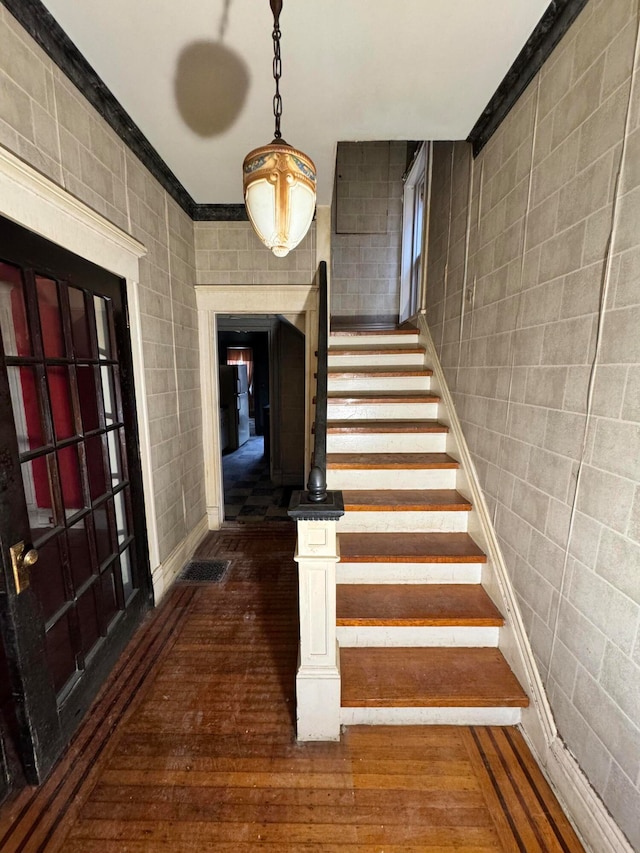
(430,716)
(337,411)
(368,359)
(387,636)
(417,573)
(356,478)
(380,383)
(399,521)
(372,340)
(387,442)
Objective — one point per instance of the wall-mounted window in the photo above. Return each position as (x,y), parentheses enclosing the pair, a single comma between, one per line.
(414,215)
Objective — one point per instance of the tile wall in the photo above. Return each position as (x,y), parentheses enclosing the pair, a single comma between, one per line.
(231,253)
(543,360)
(365,276)
(46,121)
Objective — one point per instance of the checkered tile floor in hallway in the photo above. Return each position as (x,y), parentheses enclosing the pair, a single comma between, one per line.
(249,494)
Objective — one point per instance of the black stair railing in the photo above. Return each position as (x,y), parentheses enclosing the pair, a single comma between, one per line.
(327,504)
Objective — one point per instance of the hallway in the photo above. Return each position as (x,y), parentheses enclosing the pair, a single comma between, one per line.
(190,746)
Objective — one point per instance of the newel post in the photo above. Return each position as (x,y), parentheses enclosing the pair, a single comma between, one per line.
(318,677)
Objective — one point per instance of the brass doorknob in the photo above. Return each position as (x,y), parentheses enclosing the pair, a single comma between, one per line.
(30,558)
(21,563)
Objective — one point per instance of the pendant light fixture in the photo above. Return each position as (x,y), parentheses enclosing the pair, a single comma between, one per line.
(279,182)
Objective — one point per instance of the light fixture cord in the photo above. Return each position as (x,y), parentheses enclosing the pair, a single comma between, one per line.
(276,7)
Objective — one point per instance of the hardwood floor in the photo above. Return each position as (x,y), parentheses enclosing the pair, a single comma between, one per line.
(191,747)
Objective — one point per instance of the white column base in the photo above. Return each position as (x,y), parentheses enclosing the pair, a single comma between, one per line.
(318,704)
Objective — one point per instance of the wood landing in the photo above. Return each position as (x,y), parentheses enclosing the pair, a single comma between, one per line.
(190,747)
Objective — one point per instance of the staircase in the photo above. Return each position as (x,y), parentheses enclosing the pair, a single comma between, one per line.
(418,634)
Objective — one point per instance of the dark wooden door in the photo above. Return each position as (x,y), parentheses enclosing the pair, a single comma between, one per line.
(70,488)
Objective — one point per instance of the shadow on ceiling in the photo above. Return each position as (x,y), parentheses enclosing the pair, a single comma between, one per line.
(211,86)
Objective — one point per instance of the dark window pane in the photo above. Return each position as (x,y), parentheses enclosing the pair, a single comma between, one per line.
(108,605)
(26,410)
(37,492)
(108,396)
(88,620)
(87,395)
(79,553)
(95,467)
(62,661)
(102,310)
(115,460)
(69,467)
(50,320)
(47,579)
(13,315)
(60,396)
(121,517)
(103,533)
(125,570)
(79,324)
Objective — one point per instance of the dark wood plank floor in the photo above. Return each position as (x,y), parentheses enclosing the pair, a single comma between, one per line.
(191,747)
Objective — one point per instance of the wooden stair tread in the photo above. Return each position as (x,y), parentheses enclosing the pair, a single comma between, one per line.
(404,500)
(366,461)
(409,548)
(354,332)
(382,349)
(431,677)
(382,397)
(368,426)
(377,371)
(429,605)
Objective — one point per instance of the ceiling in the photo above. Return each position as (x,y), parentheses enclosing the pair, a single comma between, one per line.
(196,75)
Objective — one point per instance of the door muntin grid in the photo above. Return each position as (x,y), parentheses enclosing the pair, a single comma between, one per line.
(60,352)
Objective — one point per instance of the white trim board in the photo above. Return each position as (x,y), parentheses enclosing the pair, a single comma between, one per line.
(293,299)
(597,829)
(37,203)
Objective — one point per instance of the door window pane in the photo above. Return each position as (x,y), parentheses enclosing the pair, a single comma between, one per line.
(101,308)
(79,324)
(85,375)
(88,620)
(23,387)
(125,569)
(47,579)
(50,318)
(37,492)
(79,554)
(13,316)
(121,517)
(108,396)
(62,661)
(115,460)
(95,467)
(103,531)
(69,468)
(109,606)
(60,396)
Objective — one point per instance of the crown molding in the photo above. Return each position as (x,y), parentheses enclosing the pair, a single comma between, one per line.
(553,25)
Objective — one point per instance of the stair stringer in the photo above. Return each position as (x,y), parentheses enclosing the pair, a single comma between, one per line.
(580,801)
(537,719)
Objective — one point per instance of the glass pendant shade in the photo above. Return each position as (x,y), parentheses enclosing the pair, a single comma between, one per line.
(279,185)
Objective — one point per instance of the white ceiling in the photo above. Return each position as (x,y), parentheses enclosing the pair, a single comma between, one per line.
(352,70)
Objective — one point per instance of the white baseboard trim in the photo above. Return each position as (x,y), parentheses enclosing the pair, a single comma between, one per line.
(593,823)
(166,572)
(597,829)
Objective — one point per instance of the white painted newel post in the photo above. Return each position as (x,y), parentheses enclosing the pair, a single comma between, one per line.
(318,677)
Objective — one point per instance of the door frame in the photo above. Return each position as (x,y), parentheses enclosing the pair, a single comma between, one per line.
(37,203)
(211,300)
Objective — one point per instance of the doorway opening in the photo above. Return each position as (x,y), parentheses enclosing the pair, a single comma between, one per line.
(261,373)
